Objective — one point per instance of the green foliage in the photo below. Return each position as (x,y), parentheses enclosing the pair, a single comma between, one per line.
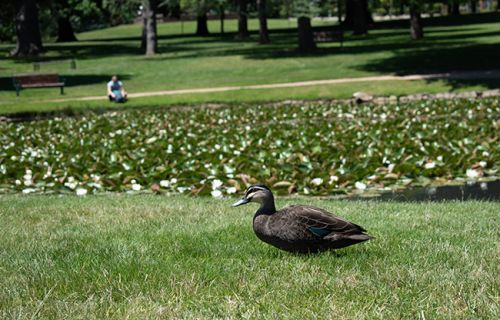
(197,6)
(317,148)
(7,28)
(304,8)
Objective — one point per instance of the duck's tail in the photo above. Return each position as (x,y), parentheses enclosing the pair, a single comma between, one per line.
(360,237)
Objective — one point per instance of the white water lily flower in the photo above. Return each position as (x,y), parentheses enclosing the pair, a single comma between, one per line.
(317,181)
(429,165)
(173,181)
(182,189)
(391,167)
(472,173)
(216,184)
(71,185)
(81,192)
(151,140)
(360,185)
(483,164)
(136,186)
(231,190)
(333,179)
(71,179)
(165,183)
(18,182)
(28,190)
(440,158)
(216,194)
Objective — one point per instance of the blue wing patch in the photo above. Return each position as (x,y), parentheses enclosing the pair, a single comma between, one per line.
(320,232)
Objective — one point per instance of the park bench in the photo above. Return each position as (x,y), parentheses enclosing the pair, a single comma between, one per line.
(25,81)
(329,35)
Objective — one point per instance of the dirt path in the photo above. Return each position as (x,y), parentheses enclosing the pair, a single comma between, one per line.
(491,74)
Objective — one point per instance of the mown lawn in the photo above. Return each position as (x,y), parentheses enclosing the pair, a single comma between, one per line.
(186,61)
(150,257)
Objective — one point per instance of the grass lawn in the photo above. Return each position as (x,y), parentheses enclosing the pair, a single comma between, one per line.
(186,61)
(149,257)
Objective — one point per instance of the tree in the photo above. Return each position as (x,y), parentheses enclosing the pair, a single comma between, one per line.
(242,19)
(199,8)
(357,16)
(7,26)
(149,16)
(360,17)
(306,39)
(221,5)
(416,29)
(65,32)
(473,6)
(29,39)
(202,24)
(263,31)
(455,8)
(304,10)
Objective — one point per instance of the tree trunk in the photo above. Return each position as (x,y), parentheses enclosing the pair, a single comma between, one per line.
(360,15)
(65,31)
(306,39)
(242,19)
(415,22)
(144,40)
(473,6)
(151,37)
(263,32)
(222,17)
(29,39)
(339,10)
(202,25)
(349,14)
(455,8)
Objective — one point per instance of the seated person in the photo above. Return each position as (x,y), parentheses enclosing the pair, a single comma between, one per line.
(116,91)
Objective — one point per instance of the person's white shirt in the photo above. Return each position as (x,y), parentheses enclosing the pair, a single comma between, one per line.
(115,85)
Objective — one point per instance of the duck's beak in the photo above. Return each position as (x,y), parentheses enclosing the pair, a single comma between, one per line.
(241,202)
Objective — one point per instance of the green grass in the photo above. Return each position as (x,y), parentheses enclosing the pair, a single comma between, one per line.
(151,257)
(193,62)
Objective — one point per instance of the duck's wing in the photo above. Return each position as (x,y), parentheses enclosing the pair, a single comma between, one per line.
(320,222)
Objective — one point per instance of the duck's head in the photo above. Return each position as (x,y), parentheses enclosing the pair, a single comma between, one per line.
(256,193)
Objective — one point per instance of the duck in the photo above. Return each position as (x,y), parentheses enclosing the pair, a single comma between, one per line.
(299,228)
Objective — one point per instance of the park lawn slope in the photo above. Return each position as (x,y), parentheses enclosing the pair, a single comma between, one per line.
(189,62)
(149,257)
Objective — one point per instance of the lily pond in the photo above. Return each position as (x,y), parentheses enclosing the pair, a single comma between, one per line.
(316,148)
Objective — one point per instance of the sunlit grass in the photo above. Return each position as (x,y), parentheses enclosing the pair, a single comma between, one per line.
(149,257)
(194,62)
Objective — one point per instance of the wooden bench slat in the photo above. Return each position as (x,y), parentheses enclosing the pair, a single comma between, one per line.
(22,81)
(42,85)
